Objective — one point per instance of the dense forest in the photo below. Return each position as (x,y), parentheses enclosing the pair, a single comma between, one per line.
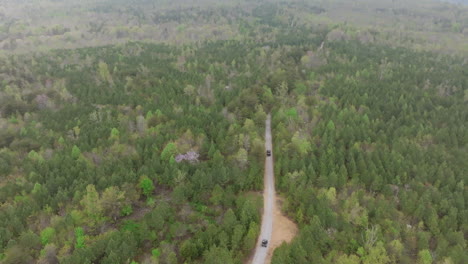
(143,152)
(374,160)
(41,25)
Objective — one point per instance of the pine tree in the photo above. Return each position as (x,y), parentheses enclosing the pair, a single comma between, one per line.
(146,185)
(76,152)
(91,203)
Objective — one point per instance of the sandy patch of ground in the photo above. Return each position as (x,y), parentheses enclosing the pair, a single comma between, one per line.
(284,230)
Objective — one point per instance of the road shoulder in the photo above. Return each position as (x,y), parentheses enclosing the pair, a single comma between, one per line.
(284,229)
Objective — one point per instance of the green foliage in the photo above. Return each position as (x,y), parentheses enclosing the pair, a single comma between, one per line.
(114,134)
(331,126)
(80,237)
(16,254)
(76,152)
(91,203)
(111,202)
(29,240)
(345,259)
(251,237)
(218,255)
(5,163)
(376,254)
(33,155)
(104,72)
(13,120)
(126,210)
(189,250)
(425,257)
(37,188)
(47,235)
(168,152)
(147,186)
(241,158)
(301,143)
(291,113)
(130,225)
(150,201)
(155,253)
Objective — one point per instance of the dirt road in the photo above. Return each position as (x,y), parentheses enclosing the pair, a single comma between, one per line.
(284,230)
(269,199)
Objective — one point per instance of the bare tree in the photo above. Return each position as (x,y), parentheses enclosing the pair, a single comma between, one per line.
(370,236)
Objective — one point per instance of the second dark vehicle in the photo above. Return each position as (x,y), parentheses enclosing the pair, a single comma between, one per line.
(268,152)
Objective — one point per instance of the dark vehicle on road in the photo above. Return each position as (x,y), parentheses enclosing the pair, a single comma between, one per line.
(264,243)
(268,153)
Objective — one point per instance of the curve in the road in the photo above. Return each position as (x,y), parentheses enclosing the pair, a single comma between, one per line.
(269,199)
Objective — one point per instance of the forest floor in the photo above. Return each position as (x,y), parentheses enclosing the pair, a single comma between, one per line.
(284,230)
